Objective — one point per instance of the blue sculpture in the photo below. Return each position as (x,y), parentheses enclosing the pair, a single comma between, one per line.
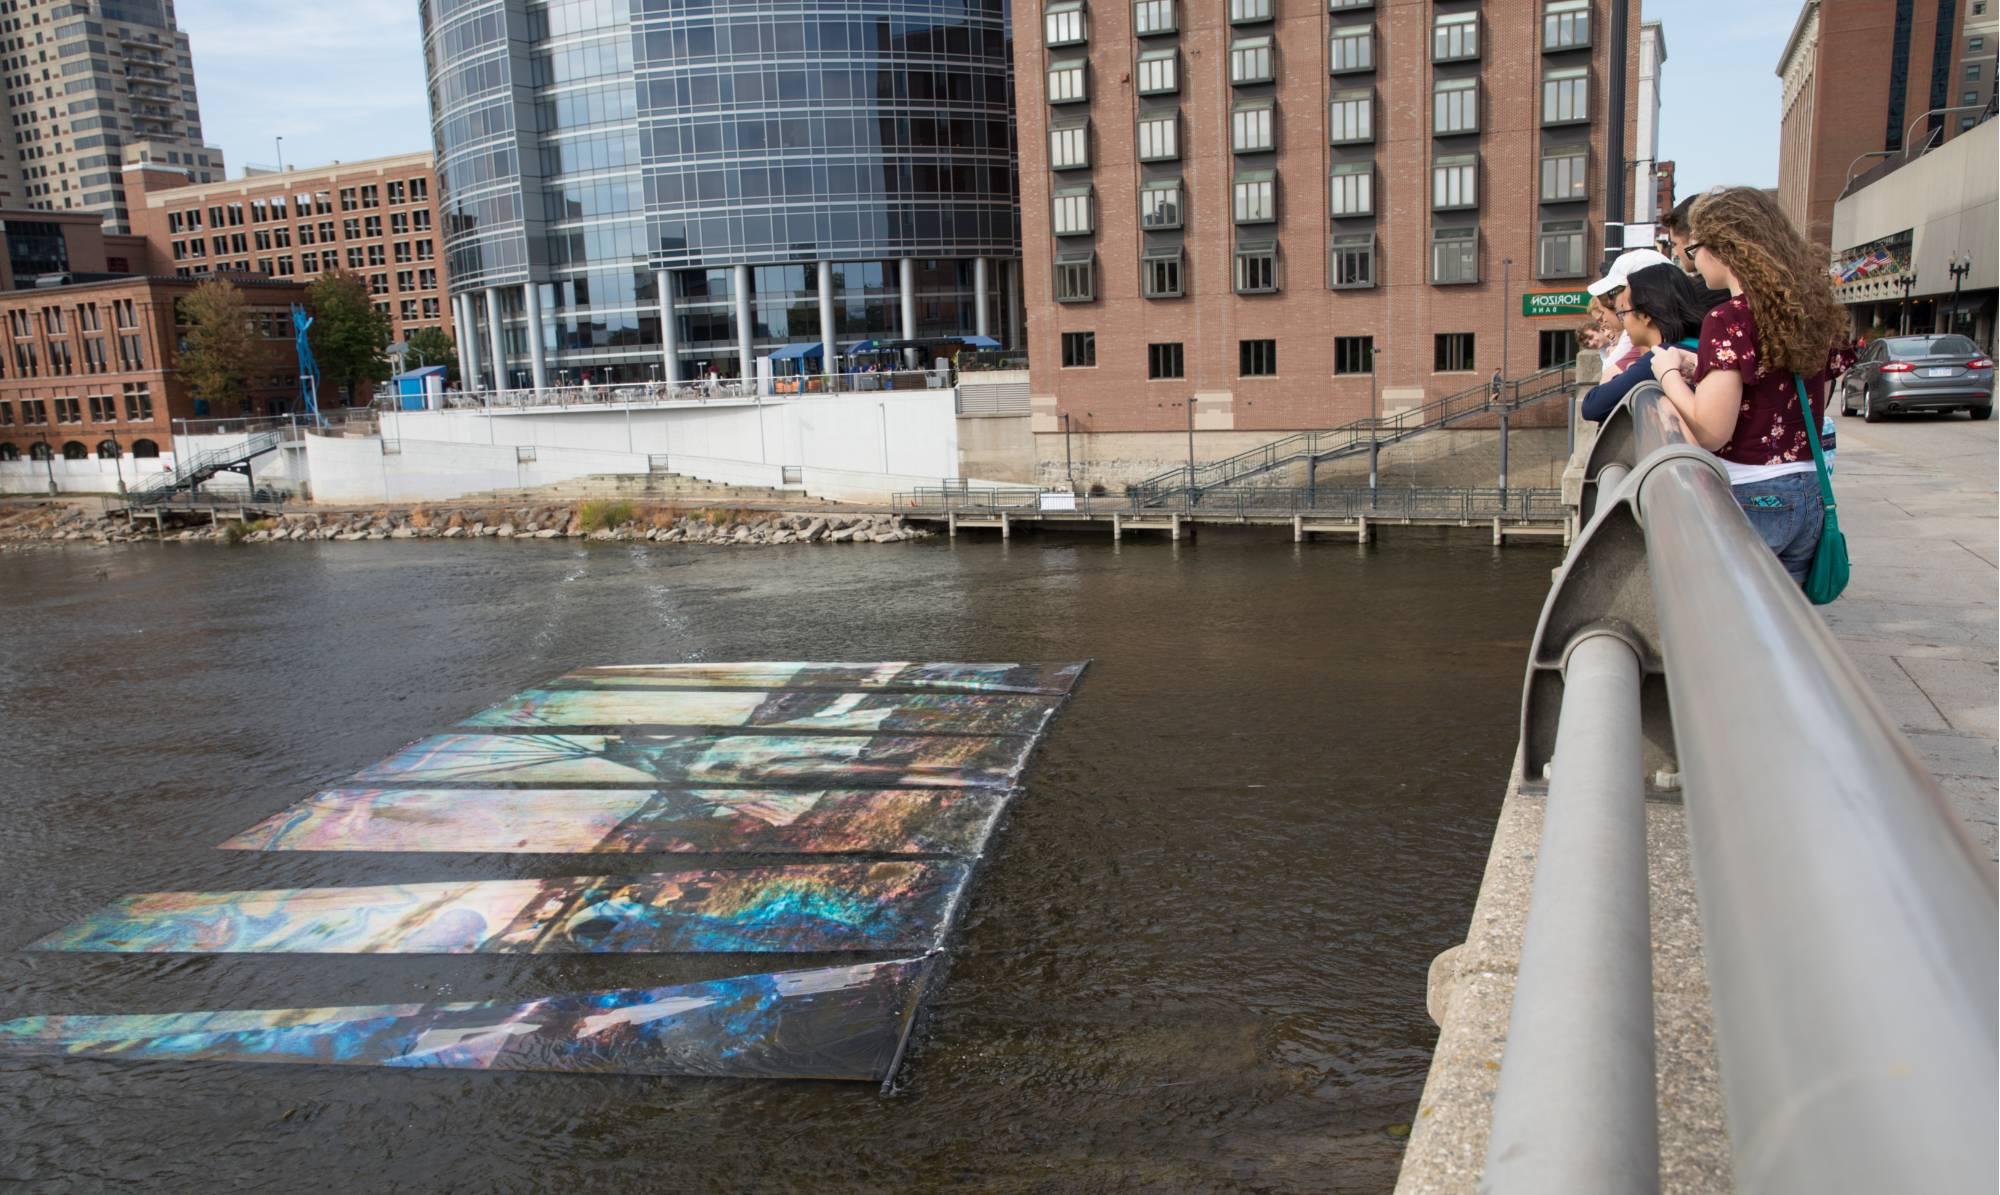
(308,368)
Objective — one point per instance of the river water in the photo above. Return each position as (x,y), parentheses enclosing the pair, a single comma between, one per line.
(1194,960)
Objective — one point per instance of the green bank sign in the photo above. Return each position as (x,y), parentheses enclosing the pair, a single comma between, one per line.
(1555,302)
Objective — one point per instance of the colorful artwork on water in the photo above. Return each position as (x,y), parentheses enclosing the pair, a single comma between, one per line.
(901,906)
(827,1023)
(785,709)
(891,821)
(1052,679)
(890,761)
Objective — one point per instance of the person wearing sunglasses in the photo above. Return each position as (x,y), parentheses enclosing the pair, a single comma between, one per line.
(1622,353)
(1659,305)
(1736,392)
(1674,235)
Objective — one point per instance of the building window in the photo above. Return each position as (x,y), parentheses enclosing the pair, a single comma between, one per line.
(1566,96)
(1974,44)
(1351,117)
(1153,16)
(1455,106)
(1354,354)
(1256,266)
(1351,190)
(1160,204)
(1063,24)
(1352,48)
(1556,348)
(1345,5)
(1075,275)
(103,408)
(1073,211)
(1159,72)
(1972,70)
(1066,82)
(1159,138)
(1563,174)
(348,201)
(1079,350)
(1455,37)
(1257,358)
(1966,122)
(396,195)
(1560,249)
(1161,273)
(138,402)
(1165,361)
(1454,255)
(1566,25)
(68,410)
(1352,262)
(1256,197)
(1069,146)
(1250,127)
(1245,11)
(1452,353)
(1455,182)
(1250,60)
(1968,97)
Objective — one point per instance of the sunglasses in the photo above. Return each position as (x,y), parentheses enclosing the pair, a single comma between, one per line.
(1691,247)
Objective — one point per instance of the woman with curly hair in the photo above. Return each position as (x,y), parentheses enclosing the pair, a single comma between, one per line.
(1736,394)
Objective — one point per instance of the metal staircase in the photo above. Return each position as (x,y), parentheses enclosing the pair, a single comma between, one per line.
(204,465)
(1317,448)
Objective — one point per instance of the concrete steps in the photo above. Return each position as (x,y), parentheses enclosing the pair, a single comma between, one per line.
(639,487)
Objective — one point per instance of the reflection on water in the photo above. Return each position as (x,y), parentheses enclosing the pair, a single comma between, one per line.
(1194,960)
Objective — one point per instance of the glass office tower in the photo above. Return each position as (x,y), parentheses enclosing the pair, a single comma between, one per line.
(640,189)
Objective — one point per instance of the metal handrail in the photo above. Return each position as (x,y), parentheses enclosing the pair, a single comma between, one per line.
(204,465)
(1385,503)
(1848,919)
(644,393)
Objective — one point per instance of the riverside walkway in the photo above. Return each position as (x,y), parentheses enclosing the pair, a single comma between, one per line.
(1918,501)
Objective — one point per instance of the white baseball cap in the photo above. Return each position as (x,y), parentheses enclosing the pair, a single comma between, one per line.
(1624,266)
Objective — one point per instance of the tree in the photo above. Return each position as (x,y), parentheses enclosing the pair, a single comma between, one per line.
(348,333)
(217,355)
(431,346)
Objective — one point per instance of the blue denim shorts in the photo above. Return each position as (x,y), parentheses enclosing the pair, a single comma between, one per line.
(1787,514)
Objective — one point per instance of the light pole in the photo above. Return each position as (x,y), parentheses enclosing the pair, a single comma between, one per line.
(49,459)
(1908,283)
(1069,469)
(117,458)
(280,143)
(1506,309)
(1961,265)
(1190,434)
(1374,422)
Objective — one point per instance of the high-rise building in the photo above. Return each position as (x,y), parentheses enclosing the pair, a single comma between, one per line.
(83,80)
(376,219)
(1646,166)
(1862,80)
(1250,217)
(642,189)
(1978,63)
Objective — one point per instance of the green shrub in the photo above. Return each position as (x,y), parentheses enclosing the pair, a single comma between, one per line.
(601,514)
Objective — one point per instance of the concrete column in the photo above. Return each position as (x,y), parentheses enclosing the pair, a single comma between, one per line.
(462,333)
(906,272)
(498,341)
(468,338)
(536,363)
(670,333)
(745,366)
(827,349)
(1015,339)
(982,281)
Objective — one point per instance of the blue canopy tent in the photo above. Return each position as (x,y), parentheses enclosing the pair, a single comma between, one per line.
(797,352)
(979,342)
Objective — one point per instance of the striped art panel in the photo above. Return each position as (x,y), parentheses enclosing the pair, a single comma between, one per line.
(893,821)
(827,1023)
(888,761)
(798,908)
(791,709)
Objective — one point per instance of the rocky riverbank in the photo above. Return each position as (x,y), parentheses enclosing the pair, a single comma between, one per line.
(56,524)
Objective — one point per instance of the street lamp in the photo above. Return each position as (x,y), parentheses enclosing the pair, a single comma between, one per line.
(1069,469)
(117,457)
(1908,283)
(1190,434)
(1374,421)
(1506,313)
(1961,265)
(49,459)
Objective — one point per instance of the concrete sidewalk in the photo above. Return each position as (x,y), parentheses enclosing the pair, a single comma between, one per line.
(1918,502)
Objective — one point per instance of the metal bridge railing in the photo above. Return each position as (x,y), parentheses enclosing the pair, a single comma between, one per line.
(1384,503)
(1849,921)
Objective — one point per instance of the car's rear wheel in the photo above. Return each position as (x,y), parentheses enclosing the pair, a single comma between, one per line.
(1846,403)
(1981,412)
(1868,408)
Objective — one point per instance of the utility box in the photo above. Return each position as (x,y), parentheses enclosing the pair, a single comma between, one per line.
(420,389)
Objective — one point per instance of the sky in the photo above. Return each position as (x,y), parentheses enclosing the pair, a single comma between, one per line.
(344,80)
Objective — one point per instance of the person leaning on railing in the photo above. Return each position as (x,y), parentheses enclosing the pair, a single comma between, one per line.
(1736,394)
(1659,305)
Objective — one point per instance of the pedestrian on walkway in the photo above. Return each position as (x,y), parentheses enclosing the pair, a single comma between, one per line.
(1737,393)
(1498,385)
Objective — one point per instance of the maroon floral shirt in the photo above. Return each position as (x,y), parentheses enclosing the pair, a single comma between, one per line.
(1768,428)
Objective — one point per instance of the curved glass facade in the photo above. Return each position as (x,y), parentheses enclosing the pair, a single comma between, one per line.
(586,146)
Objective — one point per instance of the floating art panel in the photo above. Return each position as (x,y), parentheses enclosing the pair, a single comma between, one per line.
(826,1023)
(892,821)
(897,906)
(790,709)
(890,761)
(1053,679)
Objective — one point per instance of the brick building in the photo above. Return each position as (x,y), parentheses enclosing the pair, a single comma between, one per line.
(87,369)
(377,219)
(1857,76)
(1288,213)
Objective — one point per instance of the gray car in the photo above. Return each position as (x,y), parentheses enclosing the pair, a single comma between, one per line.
(1942,373)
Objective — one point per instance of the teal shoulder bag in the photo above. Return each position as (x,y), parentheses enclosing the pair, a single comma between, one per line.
(1829,571)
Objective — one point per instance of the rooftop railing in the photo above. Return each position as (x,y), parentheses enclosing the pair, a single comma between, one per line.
(1848,919)
(652,393)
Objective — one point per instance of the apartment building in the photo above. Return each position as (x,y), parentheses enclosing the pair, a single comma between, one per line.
(377,219)
(1258,216)
(83,79)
